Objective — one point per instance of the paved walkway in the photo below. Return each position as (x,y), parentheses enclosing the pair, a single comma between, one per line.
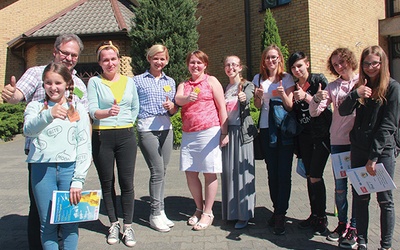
(179,205)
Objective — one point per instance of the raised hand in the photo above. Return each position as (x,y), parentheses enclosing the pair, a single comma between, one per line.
(299,93)
(280,89)
(58,111)
(114,110)
(193,95)
(9,90)
(364,91)
(168,105)
(259,92)
(321,94)
(241,94)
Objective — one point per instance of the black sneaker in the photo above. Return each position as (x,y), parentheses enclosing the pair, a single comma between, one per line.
(320,227)
(362,247)
(279,228)
(350,239)
(338,233)
(271,221)
(309,222)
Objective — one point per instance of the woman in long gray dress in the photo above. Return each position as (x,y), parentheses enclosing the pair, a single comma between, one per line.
(238,183)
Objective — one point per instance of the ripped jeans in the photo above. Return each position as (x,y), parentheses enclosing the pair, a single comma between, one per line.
(341,190)
(385,199)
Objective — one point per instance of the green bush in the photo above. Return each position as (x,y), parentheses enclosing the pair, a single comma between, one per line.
(11,120)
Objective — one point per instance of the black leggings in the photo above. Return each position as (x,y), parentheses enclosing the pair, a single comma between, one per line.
(109,146)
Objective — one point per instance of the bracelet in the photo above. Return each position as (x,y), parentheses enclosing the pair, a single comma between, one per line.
(224,134)
(316,99)
(305,96)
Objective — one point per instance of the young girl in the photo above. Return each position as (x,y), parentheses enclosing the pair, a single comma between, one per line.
(60,152)
(376,99)
(238,184)
(313,144)
(342,63)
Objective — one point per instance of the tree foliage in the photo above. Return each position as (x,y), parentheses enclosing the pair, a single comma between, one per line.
(171,23)
(270,34)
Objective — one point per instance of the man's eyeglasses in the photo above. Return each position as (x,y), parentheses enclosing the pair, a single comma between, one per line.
(374,64)
(233,65)
(66,54)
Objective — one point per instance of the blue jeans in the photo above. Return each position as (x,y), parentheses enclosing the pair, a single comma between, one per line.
(45,178)
(341,191)
(359,157)
(156,147)
(279,167)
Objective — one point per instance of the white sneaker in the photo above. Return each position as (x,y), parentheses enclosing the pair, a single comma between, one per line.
(157,223)
(166,220)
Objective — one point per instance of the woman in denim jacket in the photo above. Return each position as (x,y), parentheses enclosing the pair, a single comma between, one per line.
(274,83)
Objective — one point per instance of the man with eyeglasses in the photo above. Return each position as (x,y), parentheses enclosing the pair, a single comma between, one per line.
(29,88)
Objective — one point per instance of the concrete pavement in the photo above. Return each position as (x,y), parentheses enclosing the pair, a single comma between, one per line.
(179,205)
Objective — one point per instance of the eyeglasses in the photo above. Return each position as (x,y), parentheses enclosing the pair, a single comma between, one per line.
(374,64)
(271,58)
(233,65)
(66,54)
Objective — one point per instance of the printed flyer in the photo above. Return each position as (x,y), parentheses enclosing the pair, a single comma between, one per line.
(86,210)
(340,164)
(365,183)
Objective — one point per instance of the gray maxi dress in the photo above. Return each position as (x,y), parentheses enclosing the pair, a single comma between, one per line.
(238,181)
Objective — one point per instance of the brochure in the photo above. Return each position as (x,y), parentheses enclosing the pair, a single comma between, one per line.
(365,183)
(340,164)
(86,210)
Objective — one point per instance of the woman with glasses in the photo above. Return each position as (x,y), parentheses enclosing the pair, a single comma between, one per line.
(113,106)
(238,183)
(273,84)
(313,144)
(342,63)
(376,100)
(205,131)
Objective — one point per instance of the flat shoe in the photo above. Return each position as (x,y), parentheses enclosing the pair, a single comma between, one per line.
(241,224)
(202,226)
(194,219)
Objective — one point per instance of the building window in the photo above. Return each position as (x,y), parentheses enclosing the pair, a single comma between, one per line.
(394,7)
(269,4)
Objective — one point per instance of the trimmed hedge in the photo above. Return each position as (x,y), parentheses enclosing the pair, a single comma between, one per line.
(11,120)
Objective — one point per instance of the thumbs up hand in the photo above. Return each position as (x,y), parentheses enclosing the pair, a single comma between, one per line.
(241,94)
(299,93)
(259,92)
(364,91)
(114,110)
(280,89)
(9,90)
(168,105)
(321,94)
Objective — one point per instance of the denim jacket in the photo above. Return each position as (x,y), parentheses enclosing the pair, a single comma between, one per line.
(276,115)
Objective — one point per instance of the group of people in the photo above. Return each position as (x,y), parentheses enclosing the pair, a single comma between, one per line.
(217,137)
(364,121)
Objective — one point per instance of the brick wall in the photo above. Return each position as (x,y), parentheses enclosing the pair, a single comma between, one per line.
(16,18)
(312,26)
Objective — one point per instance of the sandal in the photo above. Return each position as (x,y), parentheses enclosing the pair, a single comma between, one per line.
(194,219)
(202,226)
